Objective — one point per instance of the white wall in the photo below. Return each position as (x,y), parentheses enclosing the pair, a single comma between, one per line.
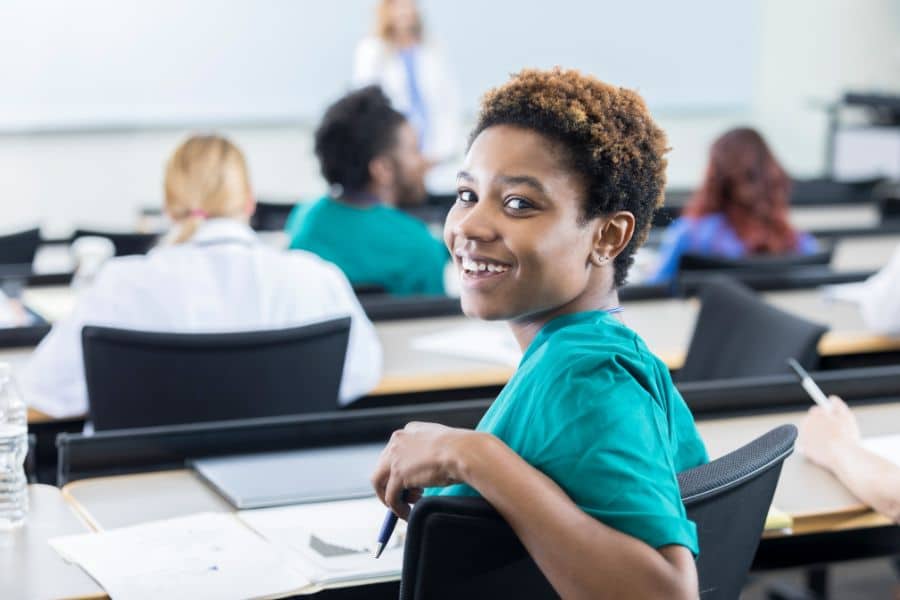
(810,50)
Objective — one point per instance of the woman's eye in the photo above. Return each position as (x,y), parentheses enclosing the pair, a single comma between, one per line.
(466,196)
(517,203)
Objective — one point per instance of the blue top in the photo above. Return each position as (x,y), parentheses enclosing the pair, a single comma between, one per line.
(595,411)
(709,235)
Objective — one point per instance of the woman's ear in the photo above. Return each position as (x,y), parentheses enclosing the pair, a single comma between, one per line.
(612,235)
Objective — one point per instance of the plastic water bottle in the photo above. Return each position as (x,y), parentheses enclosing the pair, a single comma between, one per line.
(13,448)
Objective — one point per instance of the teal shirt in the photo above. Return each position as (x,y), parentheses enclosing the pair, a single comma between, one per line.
(593,409)
(374,244)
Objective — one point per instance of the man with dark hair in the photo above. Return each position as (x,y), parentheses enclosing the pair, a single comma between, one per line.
(369,155)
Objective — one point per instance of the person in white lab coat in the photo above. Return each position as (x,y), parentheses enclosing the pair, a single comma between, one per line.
(412,72)
(212,275)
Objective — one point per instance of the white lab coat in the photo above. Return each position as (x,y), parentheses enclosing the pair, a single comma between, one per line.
(375,62)
(879,298)
(223,279)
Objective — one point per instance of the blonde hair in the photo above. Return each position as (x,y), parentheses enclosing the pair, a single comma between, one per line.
(205,177)
(384,28)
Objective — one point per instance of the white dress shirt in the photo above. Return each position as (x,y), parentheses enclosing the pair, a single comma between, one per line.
(375,62)
(224,279)
(879,298)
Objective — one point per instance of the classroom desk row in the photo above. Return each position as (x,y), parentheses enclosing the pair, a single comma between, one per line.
(817,502)
(666,325)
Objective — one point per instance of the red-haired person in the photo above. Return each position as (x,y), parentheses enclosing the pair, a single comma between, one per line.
(741,208)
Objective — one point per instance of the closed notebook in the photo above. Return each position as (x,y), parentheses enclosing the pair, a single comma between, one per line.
(292,477)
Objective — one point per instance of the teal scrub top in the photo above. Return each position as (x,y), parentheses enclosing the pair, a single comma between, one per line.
(593,409)
(373,245)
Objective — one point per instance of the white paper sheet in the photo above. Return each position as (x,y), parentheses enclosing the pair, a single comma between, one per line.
(887,446)
(202,556)
(332,541)
(844,292)
(474,341)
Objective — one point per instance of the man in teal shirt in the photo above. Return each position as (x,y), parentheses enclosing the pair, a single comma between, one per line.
(369,154)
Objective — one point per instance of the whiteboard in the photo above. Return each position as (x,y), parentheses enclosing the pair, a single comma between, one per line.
(149,63)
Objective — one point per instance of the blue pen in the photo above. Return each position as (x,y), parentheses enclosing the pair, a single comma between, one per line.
(387,528)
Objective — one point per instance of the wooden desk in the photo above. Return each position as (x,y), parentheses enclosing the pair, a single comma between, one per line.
(819,504)
(665,325)
(816,500)
(29,567)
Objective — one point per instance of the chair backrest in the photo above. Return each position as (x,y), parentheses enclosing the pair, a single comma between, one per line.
(126,244)
(461,548)
(390,308)
(144,379)
(739,335)
(271,216)
(19,248)
(703,262)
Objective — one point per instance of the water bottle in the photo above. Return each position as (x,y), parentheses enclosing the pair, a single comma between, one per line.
(13,448)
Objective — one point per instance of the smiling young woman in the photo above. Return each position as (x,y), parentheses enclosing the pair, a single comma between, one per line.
(580,450)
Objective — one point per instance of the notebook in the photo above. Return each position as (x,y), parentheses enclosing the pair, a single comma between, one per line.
(292,477)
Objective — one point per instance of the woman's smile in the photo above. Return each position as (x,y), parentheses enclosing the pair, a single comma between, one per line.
(476,271)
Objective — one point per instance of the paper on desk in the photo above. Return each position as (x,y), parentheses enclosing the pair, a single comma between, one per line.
(475,341)
(206,555)
(845,292)
(887,446)
(331,541)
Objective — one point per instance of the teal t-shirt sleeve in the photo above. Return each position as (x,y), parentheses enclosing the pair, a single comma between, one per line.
(294,223)
(604,439)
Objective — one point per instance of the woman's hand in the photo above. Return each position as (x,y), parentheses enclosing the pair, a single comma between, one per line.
(418,456)
(826,431)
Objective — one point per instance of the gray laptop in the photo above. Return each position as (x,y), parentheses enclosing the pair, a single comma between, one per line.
(292,477)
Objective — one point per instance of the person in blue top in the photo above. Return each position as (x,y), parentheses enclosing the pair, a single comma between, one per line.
(740,209)
(579,452)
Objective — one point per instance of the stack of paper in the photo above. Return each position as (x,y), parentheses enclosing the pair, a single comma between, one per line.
(251,554)
(201,556)
(479,341)
(331,541)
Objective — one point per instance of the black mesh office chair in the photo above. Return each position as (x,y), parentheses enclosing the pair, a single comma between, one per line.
(145,379)
(702,262)
(126,244)
(19,248)
(461,547)
(738,335)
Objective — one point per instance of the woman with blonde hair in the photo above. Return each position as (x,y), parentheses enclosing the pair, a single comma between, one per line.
(211,274)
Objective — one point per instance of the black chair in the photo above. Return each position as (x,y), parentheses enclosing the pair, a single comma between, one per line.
(462,548)
(19,248)
(392,308)
(271,216)
(145,379)
(738,335)
(126,244)
(887,197)
(766,263)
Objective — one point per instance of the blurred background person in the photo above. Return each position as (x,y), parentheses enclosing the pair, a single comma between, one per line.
(740,209)
(211,275)
(411,70)
(369,155)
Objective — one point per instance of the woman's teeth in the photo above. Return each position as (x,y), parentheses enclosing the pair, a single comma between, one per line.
(474,266)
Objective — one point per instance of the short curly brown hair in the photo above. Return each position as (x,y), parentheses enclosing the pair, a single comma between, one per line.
(606,134)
